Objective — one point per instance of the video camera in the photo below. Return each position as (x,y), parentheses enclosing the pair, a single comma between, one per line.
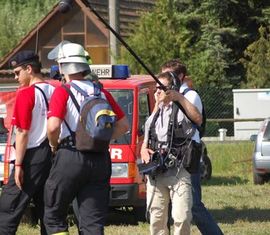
(153,166)
(160,162)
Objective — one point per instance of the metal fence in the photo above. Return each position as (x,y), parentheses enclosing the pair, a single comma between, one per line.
(218,105)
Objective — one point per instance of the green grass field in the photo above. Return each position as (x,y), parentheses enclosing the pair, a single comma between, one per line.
(239,207)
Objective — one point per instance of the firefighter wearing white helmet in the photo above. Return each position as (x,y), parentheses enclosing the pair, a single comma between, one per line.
(71,58)
(81,175)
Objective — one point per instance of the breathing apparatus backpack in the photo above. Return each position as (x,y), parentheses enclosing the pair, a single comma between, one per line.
(96,122)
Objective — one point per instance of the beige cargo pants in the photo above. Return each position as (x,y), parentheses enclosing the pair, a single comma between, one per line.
(175,186)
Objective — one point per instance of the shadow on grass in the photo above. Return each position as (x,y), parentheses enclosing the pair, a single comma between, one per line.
(230,215)
(121,217)
(222,180)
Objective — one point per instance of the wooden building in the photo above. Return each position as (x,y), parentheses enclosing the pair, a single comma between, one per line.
(79,25)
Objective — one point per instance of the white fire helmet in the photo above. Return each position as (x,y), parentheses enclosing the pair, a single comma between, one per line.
(70,56)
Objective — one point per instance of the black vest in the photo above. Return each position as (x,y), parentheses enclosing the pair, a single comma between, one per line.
(178,132)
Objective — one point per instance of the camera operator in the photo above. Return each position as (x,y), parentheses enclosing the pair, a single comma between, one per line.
(168,141)
(201,216)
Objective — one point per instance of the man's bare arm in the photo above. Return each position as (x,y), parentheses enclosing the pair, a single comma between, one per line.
(120,128)
(191,110)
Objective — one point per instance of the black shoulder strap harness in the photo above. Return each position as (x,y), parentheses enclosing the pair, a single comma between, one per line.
(72,133)
(44,96)
(153,142)
(175,137)
(174,130)
(45,99)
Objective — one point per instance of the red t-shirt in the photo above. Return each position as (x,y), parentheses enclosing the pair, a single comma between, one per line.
(30,112)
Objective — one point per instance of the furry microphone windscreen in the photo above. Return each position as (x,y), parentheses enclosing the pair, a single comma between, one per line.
(65,5)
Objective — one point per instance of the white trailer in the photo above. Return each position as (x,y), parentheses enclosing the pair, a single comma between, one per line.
(250,104)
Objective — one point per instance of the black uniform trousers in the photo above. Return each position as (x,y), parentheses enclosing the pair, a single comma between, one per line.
(13,201)
(84,176)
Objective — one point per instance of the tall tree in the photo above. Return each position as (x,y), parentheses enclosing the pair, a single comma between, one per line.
(17,18)
(7,32)
(210,60)
(257,61)
(171,30)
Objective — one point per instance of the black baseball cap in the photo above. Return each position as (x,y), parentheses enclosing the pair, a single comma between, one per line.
(24,57)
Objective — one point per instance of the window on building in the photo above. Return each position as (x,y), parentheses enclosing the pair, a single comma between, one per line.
(75,23)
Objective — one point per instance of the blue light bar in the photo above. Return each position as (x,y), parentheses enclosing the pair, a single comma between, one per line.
(120,71)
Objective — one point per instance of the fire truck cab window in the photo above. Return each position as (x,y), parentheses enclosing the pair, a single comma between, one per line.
(144,111)
(125,100)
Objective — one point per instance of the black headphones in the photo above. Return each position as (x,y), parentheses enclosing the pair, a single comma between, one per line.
(176,83)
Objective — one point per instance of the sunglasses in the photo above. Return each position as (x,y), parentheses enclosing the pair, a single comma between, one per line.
(161,88)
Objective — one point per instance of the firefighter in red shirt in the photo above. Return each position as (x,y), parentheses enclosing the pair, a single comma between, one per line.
(75,174)
(33,153)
